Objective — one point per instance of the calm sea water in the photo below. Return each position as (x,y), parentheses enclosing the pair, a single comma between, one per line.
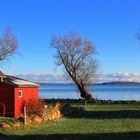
(104,92)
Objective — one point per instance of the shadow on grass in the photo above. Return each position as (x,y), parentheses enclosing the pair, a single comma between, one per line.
(119,114)
(98,136)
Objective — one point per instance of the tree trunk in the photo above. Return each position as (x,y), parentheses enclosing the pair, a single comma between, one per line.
(84,93)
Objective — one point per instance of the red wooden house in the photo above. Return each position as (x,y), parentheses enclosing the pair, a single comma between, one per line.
(13,92)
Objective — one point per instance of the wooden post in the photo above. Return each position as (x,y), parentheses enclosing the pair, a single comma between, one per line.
(25,116)
(4,109)
(85,102)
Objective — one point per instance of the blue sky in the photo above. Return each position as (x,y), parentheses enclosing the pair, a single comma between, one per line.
(110,24)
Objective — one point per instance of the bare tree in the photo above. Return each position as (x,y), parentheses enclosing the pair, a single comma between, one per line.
(8,44)
(77,57)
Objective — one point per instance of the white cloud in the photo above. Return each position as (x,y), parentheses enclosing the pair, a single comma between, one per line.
(58,78)
(45,78)
(121,76)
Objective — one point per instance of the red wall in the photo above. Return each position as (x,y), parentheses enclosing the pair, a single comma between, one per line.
(28,93)
(7,99)
(13,103)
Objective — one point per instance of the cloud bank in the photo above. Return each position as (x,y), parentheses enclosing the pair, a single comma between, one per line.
(100,78)
(121,76)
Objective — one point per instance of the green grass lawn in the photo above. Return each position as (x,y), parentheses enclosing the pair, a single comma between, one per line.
(101,122)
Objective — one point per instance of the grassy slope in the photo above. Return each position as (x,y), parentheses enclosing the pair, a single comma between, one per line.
(101,122)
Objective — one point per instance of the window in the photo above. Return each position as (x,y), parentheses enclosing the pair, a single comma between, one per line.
(20,93)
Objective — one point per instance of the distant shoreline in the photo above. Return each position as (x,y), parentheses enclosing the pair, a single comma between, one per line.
(104,83)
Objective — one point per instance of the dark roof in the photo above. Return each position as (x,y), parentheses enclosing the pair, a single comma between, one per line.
(15,81)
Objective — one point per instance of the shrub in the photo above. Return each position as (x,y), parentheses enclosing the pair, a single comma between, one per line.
(34,107)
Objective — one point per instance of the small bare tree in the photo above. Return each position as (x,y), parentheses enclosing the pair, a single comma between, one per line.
(77,57)
(8,45)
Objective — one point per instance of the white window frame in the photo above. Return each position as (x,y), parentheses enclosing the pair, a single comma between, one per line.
(20,93)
